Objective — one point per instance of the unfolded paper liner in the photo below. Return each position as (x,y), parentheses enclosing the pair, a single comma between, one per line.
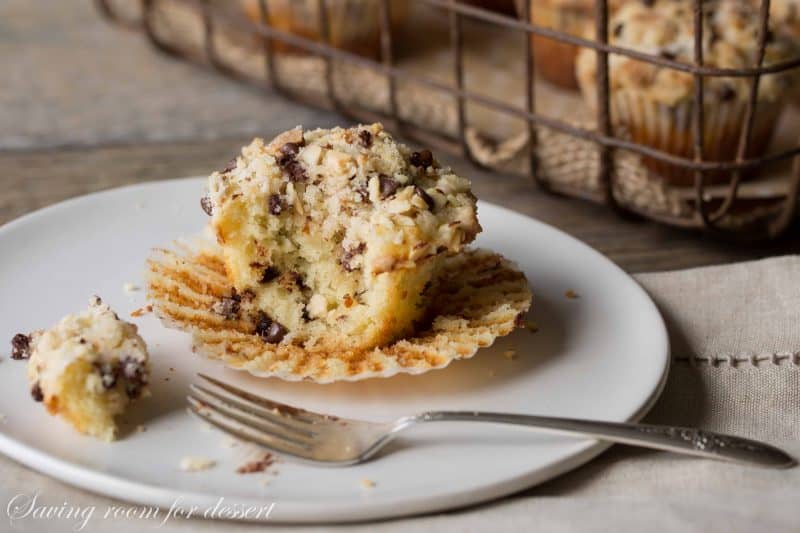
(481,297)
(566,163)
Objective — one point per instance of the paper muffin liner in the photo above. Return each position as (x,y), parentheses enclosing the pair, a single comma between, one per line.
(669,128)
(482,296)
(354,25)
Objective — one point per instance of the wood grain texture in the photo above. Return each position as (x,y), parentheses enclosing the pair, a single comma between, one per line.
(35,179)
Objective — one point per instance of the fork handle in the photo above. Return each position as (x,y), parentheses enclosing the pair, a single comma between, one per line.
(683,440)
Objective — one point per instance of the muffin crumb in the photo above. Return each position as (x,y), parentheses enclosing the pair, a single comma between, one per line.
(136,313)
(129,288)
(88,368)
(257,466)
(191,463)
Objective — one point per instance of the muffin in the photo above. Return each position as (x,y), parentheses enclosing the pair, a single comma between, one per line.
(655,104)
(555,60)
(87,368)
(330,238)
(353,25)
(784,16)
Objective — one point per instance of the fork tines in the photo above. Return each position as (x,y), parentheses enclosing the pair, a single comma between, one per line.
(270,424)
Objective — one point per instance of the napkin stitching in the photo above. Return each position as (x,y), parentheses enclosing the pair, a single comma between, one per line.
(735,361)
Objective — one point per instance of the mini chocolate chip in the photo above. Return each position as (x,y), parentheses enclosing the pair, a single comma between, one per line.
(366,138)
(649,3)
(427,287)
(284,160)
(666,54)
(296,171)
(348,255)
(275,333)
(304,315)
(262,324)
(423,158)
(230,166)
(363,191)
(388,185)
(297,279)
(20,346)
(205,203)
(133,389)
(618,29)
(108,374)
(288,163)
(425,196)
(270,273)
(36,392)
(290,149)
(228,308)
(276,204)
(134,373)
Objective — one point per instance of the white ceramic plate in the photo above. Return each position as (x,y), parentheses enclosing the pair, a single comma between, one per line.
(603,355)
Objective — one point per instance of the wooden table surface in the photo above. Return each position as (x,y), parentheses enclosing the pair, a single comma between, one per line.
(86,106)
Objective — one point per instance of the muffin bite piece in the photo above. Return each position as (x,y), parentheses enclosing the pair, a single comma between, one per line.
(331,237)
(87,368)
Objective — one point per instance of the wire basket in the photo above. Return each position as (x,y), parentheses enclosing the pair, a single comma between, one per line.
(584,156)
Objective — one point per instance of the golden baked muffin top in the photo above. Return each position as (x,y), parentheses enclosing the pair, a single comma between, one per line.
(357,186)
(666,28)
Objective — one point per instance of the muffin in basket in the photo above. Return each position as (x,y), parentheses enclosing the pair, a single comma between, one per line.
(87,368)
(353,25)
(555,60)
(340,255)
(655,104)
(784,16)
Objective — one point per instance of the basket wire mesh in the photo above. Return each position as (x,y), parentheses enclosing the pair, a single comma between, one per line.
(761,219)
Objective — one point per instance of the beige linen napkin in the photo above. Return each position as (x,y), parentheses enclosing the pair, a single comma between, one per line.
(735,332)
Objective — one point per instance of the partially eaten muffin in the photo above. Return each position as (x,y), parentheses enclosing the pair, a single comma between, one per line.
(87,368)
(331,238)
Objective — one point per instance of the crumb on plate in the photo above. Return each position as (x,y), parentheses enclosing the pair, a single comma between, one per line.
(257,466)
(129,287)
(142,311)
(191,463)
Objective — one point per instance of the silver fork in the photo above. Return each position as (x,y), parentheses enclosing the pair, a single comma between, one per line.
(330,440)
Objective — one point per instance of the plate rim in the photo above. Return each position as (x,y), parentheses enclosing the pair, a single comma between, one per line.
(139,493)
